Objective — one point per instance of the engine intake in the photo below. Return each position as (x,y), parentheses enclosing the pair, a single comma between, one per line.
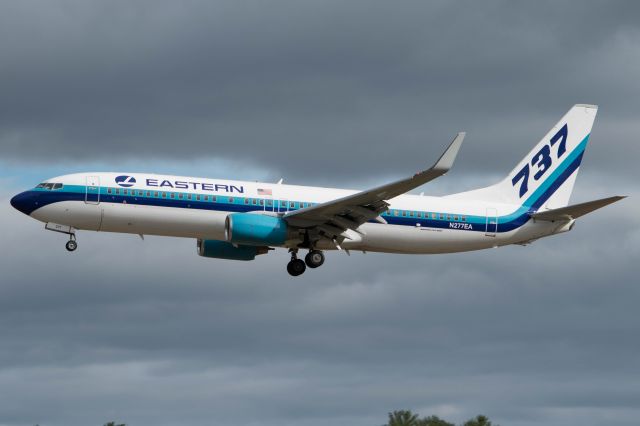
(224,250)
(255,229)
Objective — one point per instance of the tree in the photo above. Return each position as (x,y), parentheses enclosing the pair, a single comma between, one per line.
(114,424)
(403,418)
(434,421)
(478,421)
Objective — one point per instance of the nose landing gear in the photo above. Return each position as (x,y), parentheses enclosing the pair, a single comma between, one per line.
(72,244)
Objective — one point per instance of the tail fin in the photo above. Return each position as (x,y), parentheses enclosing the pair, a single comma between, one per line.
(545,177)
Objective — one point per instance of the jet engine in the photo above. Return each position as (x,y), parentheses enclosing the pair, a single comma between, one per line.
(225,250)
(256,229)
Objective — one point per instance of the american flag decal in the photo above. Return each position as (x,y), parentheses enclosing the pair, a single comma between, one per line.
(262,191)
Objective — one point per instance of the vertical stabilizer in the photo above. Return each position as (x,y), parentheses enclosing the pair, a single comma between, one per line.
(546,175)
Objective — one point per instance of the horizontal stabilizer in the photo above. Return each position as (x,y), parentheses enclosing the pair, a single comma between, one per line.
(574,211)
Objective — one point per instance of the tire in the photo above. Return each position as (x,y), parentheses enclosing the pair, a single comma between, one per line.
(296,267)
(71,245)
(314,258)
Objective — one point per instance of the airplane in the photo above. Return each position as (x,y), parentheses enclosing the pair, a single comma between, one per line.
(240,220)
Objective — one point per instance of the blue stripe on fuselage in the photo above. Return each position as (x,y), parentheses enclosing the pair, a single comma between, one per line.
(43,197)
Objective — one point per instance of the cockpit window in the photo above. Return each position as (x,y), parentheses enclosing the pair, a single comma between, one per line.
(49,186)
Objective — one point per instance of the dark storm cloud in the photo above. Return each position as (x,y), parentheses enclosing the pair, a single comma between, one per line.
(313,88)
(149,333)
(146,332)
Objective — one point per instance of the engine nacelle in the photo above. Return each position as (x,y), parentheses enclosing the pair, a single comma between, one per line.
(255,229)
(225,250)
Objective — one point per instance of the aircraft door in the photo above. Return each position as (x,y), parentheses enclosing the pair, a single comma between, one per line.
(492,222)
(92,194)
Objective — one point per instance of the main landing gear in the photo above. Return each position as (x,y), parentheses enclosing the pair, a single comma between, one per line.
(314,258)
(296,266)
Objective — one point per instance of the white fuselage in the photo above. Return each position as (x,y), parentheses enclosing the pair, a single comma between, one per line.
(149,204)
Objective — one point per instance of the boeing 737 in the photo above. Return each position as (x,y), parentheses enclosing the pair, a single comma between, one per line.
(239,220)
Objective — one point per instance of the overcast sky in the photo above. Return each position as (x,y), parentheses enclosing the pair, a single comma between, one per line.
(336,93)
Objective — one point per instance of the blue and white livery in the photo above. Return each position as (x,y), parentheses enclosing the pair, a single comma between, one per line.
(240,220)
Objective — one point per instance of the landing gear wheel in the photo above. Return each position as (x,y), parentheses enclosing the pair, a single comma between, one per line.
(296,267)
(314,258)
(71,245)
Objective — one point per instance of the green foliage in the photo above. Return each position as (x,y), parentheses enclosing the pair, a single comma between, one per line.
(403,418)
(408,418)
(434,421)
(478,421)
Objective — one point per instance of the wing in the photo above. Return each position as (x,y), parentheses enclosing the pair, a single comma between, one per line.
(334,217)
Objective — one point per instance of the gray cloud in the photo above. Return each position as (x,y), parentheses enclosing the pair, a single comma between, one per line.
(313,88)
(339,93)
(150,333)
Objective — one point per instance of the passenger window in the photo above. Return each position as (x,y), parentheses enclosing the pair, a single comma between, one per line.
(434,216)
(404,213)
(198,197)
(395,212)
(231,200)
(181,195)
(246,201)
(108,190)
(164,195)
(188,196)
(214,198)
(269,203)
(125,192)
(292,205)
(117,191)
(261,202)
(173,195)
(441,217)
(155,194)
(148,193)
(464,218)
(448,217)
(206,198)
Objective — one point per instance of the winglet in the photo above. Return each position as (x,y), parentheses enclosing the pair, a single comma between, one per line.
(445,162)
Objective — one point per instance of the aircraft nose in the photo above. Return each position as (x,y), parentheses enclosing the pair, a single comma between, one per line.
(23,202)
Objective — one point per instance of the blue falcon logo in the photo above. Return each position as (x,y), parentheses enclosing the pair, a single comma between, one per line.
(125,181)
